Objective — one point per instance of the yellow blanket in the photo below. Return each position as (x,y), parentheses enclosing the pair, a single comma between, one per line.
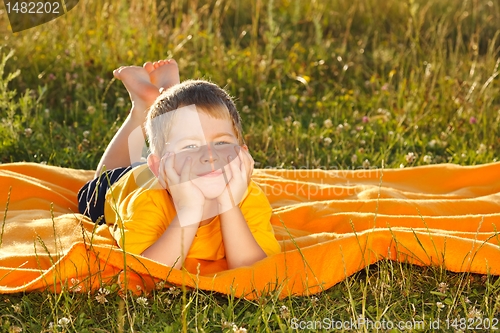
(330,225)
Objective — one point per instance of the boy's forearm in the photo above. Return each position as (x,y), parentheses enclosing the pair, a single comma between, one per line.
(117,152)
(174,244)
(239,244)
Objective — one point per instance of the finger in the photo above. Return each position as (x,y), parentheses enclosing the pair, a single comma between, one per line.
(162,177)
(186,170)
(236,170)
(172,175)
(245,158)
(251,163)
(248,162)
(243,166)
(238,150)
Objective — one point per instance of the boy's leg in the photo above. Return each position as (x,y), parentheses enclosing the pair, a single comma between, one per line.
(142,95)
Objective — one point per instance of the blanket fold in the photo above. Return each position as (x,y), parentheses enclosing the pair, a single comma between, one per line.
(330,224)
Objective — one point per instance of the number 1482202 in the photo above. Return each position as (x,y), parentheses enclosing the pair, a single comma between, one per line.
(32,7)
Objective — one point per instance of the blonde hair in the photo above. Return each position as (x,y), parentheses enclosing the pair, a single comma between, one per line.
(206,96)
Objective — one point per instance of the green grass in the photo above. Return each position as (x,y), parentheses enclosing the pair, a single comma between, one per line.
(332,84)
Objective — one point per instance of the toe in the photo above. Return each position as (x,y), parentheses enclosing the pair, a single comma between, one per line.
(148,66)
(116,72)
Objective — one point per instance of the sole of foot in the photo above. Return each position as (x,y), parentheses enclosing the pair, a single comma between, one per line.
(163,73)
(138,83)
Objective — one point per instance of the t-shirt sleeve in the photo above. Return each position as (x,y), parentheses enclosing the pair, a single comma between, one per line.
(257,212)
(139,220)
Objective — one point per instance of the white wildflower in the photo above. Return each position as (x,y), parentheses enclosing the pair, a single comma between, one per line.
(120,102)
(142,301)
(481,149)
(237,329)
(76,287)
(284,312)
(474,313)
(410,157)
(17,308)
(160,285)
(443,287)
(228,324)
(101,295)
(63,321)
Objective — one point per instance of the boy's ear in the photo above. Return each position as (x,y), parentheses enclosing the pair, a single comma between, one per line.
(154,164)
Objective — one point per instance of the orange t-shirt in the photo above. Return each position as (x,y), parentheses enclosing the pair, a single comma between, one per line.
(138,211)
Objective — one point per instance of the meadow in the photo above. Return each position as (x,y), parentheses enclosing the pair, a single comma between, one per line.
(337,84)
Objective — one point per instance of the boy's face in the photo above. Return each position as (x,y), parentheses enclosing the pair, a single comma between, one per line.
(209,142)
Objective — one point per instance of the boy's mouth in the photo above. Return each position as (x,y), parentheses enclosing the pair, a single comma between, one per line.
(214,173)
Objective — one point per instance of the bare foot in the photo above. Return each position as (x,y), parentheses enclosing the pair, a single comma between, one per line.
(163,73)
(142,92)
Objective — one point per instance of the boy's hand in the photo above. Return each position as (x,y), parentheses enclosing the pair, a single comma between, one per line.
(185,194)
(241,166)
(251,163)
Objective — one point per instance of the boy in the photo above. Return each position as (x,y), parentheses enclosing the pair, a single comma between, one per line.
(207,208)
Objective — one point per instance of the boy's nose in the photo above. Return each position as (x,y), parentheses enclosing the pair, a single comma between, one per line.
(209,155)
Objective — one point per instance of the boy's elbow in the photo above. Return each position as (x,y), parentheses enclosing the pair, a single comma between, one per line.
(242,262)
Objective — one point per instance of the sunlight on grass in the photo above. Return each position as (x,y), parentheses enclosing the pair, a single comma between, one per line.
(341,84)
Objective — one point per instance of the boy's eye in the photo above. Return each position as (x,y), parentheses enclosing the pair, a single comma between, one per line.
(218,143)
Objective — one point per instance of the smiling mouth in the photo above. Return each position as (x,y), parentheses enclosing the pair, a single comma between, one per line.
(214,173)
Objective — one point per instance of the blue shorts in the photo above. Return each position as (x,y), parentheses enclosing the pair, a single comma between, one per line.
(92,195)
